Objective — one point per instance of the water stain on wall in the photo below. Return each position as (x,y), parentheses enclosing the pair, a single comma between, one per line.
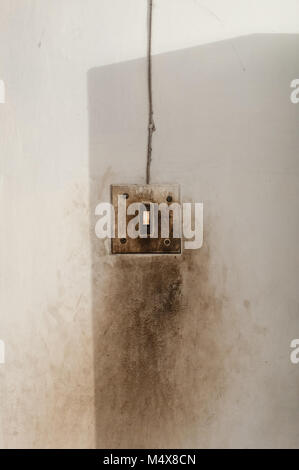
(159,366)
(159,322)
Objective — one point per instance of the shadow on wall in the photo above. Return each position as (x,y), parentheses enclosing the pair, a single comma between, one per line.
(162,325)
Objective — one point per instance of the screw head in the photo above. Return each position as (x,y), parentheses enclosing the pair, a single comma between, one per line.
(123,241)
(169,198)
(166,242)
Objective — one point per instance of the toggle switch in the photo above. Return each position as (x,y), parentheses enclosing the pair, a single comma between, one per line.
(147,200)
(146,217)
(145,212)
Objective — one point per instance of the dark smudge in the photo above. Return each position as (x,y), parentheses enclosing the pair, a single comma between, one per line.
(159,367)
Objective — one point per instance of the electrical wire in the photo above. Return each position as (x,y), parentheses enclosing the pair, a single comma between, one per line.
(151,124)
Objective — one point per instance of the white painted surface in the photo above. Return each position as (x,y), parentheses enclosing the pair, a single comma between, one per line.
(46,50)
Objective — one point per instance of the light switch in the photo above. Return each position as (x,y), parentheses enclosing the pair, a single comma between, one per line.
(147,198)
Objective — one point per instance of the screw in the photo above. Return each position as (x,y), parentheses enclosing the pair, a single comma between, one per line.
(123,240)
(169,198)
(166,242)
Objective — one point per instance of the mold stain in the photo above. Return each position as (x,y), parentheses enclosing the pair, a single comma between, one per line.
(159,362)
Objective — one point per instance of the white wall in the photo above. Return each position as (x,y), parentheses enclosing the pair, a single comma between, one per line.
(47,49)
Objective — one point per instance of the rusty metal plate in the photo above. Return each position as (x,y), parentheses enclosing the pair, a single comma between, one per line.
(146,194)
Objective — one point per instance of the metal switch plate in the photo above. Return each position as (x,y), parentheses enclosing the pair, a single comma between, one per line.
(145,194)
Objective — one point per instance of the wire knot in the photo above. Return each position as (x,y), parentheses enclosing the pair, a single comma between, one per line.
(152,126)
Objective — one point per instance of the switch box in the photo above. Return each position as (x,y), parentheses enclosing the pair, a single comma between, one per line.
(147,198)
